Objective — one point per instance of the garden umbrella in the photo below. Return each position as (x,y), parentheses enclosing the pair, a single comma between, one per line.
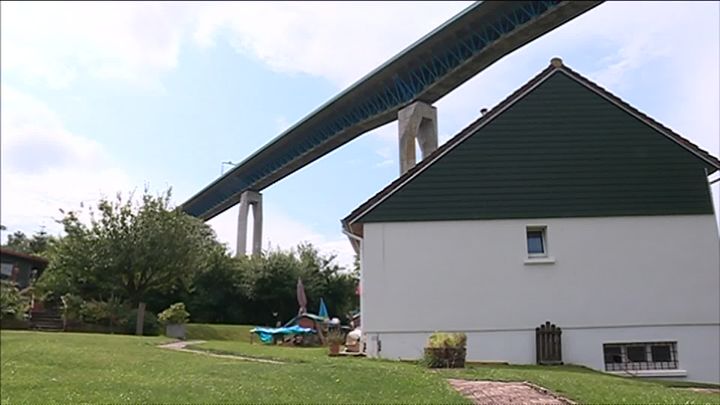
(302,300)
(323,312)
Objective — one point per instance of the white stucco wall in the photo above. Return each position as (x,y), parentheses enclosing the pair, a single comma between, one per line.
(636,278)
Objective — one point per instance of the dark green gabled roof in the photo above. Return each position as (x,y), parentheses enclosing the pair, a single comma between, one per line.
(560,146)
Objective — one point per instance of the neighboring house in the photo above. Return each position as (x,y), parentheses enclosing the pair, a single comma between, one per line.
(562,204)
(20,267)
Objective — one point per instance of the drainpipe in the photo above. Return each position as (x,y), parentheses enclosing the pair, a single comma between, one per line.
(352,236)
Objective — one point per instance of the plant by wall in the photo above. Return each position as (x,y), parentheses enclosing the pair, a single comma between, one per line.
(445,350)
(174,315)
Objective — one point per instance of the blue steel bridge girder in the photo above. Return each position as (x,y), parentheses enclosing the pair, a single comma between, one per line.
(408,83)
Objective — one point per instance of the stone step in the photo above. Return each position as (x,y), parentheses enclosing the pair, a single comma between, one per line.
(47,324)
(50,320)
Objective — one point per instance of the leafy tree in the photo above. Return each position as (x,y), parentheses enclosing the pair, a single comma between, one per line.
(262,289)
(220,294)
(129,250)
(18,242)
(38,244)
(41,242)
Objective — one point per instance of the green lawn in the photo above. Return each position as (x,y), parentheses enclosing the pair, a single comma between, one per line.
(204,331)
(69,368)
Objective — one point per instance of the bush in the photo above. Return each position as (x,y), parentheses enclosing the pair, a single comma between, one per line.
(12,304)
(445,340)
(104,312)
(73,307)
(174,315)
(95,312)
(445,350)
(151,326)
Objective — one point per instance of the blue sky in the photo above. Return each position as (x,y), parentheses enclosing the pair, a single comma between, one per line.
(105,97)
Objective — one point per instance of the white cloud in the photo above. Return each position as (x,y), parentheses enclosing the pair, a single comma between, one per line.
(341,41)
(57,42)
(282,231)
(45,167)
(60,42)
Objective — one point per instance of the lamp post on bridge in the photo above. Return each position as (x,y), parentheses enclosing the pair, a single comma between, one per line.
(222,166)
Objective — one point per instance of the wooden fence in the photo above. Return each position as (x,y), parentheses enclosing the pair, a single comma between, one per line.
(548,346)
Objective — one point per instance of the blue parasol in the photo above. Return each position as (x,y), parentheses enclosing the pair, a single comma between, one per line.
(323,312)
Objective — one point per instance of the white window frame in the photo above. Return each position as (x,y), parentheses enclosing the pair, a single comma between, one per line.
(538,258)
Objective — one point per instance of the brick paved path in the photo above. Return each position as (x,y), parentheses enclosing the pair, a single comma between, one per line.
(492,392)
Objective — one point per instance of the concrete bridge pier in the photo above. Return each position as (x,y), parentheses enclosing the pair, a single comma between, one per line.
(416,122)
(247,199)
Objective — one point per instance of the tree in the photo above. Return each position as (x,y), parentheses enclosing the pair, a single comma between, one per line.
(219,294)
(18,242)
(129,250)
(261,289)
(38,244)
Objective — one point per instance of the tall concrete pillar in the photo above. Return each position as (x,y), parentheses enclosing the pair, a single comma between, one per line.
(416,122)
(249,199)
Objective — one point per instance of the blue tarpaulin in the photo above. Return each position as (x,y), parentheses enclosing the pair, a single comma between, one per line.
(266,334)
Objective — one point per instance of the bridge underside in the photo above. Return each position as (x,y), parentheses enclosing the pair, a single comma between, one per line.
(426,71)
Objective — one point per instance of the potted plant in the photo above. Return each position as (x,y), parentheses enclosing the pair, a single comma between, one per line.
(446,350)
(174,318)
(335,338)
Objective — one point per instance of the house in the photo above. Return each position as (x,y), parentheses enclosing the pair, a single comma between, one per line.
(563,204)
(20,268)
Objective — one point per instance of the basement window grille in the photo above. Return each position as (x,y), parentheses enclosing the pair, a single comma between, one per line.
(640,356)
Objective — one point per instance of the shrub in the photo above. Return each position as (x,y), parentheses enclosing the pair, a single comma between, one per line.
(151,326)
(95,312)
(13,305)
(445,350)
(447,340)
(73,307)
(175,314)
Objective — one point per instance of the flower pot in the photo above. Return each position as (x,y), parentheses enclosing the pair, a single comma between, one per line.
(445,357)
(176,330)
(334,348)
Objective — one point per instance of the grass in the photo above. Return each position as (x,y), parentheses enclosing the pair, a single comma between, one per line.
(71,368)
(588,386)
(43,368)
(204,331)
(269,352)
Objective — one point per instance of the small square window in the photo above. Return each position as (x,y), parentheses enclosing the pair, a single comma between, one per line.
(536,242)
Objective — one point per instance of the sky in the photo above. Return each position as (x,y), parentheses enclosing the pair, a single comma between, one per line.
(105,97)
